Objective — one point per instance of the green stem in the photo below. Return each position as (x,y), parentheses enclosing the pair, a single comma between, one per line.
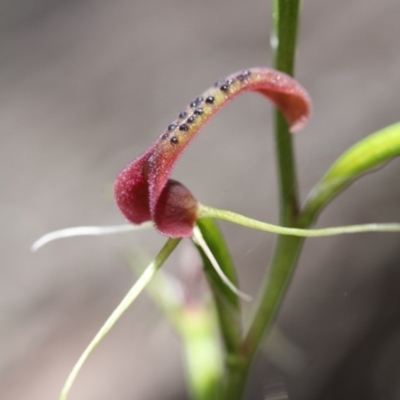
(285,23)
(285,16)
(285,13)
(281,271)
(285,258)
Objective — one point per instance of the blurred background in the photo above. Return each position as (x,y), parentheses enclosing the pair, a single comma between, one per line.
(86,86)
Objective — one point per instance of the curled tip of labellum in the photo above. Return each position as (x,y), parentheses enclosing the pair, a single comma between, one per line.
(290,98)
(296,111)
(176,211)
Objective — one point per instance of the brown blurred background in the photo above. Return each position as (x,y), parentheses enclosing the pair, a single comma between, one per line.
(86,86)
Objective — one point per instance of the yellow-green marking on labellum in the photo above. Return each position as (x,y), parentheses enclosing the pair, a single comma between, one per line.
(143,190)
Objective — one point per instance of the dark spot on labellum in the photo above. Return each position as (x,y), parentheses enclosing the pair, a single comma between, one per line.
(224,88)
(171,127)
(190,120)
(229,81)
(164,136)
(210,100)
(174,140)
(183,128)
(197,102)
(183,114)
(198,111)
(242,76)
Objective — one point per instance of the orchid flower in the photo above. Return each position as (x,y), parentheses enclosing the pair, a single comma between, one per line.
(143,191)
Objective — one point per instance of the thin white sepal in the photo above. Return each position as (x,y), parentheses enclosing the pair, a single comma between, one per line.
(87,231)
(199,240)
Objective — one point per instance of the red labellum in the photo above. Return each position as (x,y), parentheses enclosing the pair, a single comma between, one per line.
(143,191)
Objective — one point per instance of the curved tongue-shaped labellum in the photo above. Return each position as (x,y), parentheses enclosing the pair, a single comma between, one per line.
(151,171)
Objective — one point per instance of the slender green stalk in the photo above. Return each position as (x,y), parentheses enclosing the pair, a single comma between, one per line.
(282,268)
(285,16)
(285,258)
(133,293)
(286,13)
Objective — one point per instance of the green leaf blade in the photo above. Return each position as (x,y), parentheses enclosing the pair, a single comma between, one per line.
(364,157)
